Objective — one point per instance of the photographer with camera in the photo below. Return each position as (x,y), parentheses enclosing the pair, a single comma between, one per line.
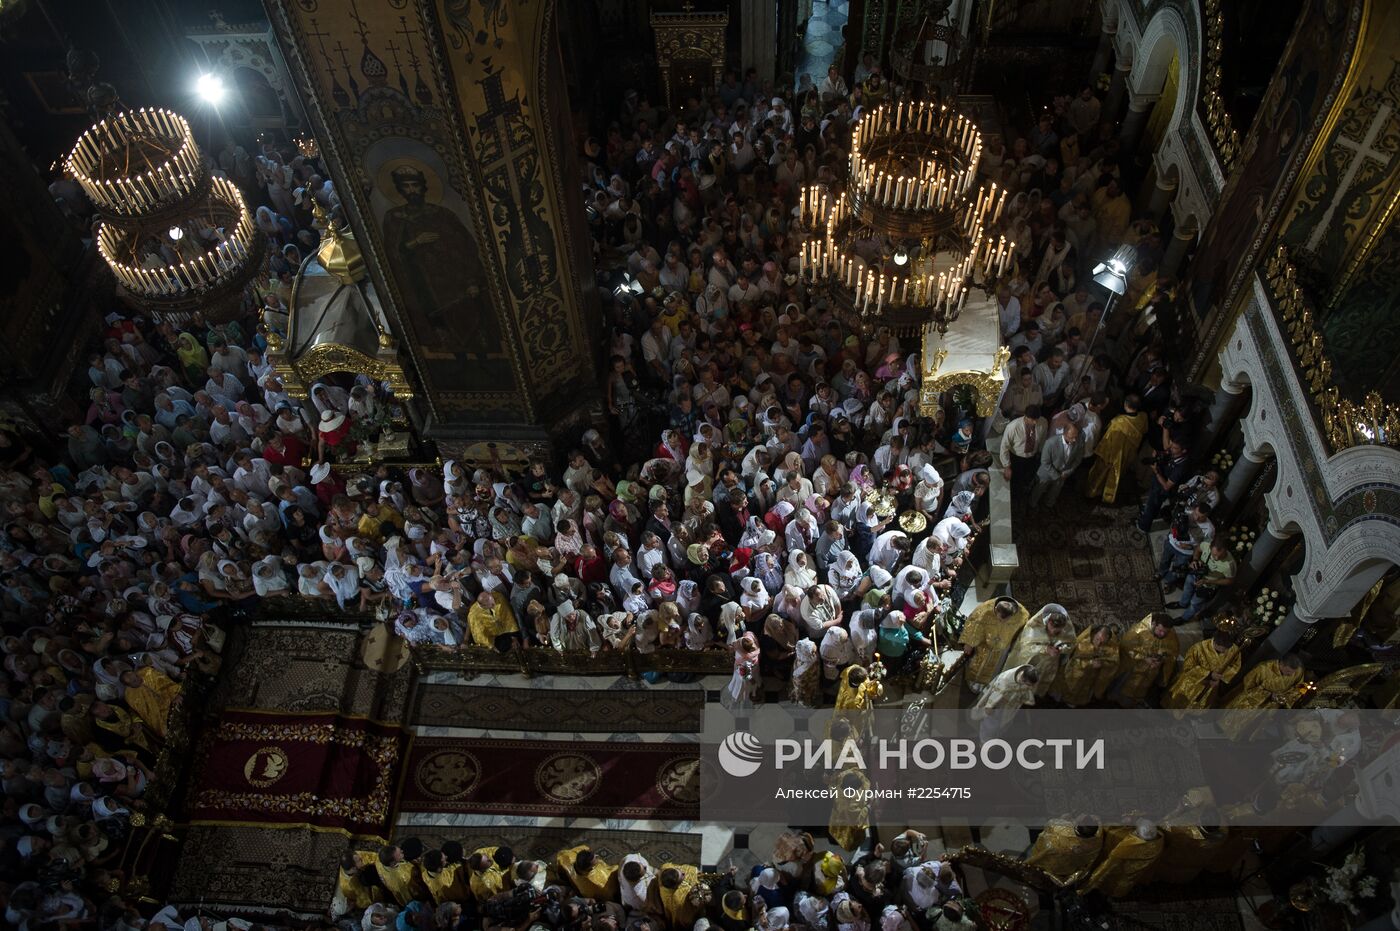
(1168,472)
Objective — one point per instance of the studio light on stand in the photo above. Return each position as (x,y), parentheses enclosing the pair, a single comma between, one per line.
(1111,275)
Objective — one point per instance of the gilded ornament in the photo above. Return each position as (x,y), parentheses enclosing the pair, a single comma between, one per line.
(266,766)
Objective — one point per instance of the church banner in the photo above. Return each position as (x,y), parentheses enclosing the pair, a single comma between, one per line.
(319,771)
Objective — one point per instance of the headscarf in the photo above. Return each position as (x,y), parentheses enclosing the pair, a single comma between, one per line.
(844,573)
(346,587)
(754,596)
(191,353)
(799,571)
(699,633)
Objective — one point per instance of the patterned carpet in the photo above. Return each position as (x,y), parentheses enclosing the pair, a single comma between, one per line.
(543,843)
(548,778)
(587,711)
(297,668)
(1092,560)
(313,669)
(258,870)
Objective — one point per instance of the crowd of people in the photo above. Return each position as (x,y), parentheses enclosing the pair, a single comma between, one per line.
(748,497)
(902,888)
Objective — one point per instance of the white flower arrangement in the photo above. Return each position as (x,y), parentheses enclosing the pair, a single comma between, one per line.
(1269,608)
(1222,461)
(1242,539)
(1343,885)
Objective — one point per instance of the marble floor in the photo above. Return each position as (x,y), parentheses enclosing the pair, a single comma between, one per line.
(822,38)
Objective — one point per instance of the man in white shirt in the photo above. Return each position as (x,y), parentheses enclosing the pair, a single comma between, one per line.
(743,290)
(1020,450)
(656,346)
(1052,375)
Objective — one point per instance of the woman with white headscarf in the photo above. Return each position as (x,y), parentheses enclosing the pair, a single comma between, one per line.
(845,574)
(745,684)
(929,490)
(309,584)
(836,652)
(343,581)
(754,598)
(687,596)
(805,687)
(961,505)
(699,632)
(910,579)
(800,573)
(756,535)
(765,566)
(953,533)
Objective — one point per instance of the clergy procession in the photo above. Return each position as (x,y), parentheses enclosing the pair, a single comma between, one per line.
(764,487)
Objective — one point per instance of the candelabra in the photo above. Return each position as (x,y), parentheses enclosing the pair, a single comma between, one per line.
(912,231)
(177,238)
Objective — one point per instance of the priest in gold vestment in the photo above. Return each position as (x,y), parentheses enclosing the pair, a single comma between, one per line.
(398,876)
(1209,666)
(593,878)
(1147,658)
(1089,669)
(988,634)
(1115,453)
(675,898)
(349,886)
(151,694)
(850,814)
(1043,643)
(445,881)
(1270,685)
(1128,863)
(1067,848)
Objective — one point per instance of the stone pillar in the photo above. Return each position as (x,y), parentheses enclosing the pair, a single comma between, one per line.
(1130,132)
(1102,53)
(1117,89)
(1245,471)
(1228,399)
(1265,551)
(1175,253)
(1285,636)
(1163,191)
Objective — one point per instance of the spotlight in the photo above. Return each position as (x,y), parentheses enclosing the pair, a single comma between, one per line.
(628,286)
(1113,273)
(175,233)
(210,88)
(901,257)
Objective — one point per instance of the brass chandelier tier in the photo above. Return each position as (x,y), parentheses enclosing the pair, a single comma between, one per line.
(912,231)
(144,173)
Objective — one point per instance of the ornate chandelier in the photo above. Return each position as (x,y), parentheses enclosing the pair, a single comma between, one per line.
(909,236)
(177,238)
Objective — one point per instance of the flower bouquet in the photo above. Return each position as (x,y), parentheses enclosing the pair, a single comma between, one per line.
(1222,461)
(1242,540)
(1269,608)
(1343,885)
